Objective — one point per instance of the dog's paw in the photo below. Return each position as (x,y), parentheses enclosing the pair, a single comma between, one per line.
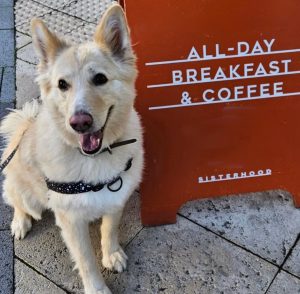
(116,261)
(20,226)
(105,290)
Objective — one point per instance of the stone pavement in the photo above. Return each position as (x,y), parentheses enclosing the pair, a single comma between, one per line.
(7,98)
(236,244)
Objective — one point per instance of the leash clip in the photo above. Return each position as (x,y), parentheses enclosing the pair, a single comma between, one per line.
(118,188)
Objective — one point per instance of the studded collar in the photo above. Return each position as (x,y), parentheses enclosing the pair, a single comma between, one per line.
(112,185)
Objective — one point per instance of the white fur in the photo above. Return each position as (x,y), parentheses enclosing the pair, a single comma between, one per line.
(49,148)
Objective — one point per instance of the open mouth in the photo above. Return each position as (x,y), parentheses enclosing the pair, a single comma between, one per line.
(91,143)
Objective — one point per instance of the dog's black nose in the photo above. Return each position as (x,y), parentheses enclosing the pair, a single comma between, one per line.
(81,121)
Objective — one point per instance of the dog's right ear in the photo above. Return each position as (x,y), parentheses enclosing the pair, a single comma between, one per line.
(112,34)
(47,44)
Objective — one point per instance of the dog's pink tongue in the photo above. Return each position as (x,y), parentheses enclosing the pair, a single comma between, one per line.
(90,142)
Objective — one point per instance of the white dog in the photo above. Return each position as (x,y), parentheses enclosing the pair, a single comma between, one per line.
(80,151)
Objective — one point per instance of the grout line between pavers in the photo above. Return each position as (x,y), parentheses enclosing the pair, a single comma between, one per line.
(290,251)
(1,79)
(58,33)
(107,270)
(230,241)
(284,261)
(27,61)
(288,272)
(54,8)
(23,45)
(41,15)
(129,242)
(134,236)
(14,274)
(15,64)
(17,31)
(39,273)
(4,230)
(279,267)
(271,283)
(63,7)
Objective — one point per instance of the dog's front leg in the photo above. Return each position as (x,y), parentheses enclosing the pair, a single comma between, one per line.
(114,257)
(76,235)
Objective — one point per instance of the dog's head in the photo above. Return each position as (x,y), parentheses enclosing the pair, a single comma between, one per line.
(88,88)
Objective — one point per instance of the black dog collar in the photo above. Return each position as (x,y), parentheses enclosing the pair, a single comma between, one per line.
(81,187)
(113,185)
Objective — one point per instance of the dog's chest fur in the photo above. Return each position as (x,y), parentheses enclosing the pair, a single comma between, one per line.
(60,163)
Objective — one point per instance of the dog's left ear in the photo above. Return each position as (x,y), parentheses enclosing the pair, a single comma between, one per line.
(112,33)
(47,44)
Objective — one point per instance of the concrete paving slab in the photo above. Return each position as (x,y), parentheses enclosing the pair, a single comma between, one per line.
(285,284)
(8,88)
(130,225)
(25,10)
(4,110)
(5,210)
(5,215)
(21,40)
(131,221)
(27,53)
(27,88)
(292,264)
(61,23)
(29,281)
(4,3)
(7,52)
(83,33)
(184,258)
(260,222)
(6,18)
(6,264)
(57,4)
(90,11)
(44,249)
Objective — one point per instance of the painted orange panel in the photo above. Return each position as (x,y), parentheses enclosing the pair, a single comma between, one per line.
(219,95)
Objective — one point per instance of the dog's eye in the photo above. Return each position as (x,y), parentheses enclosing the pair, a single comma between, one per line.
(63,85)
(99,79)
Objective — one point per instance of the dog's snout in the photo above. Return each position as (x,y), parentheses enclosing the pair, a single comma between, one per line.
(81,121)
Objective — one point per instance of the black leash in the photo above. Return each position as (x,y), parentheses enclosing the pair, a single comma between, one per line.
(81,187)
(117,144)
(8,159)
